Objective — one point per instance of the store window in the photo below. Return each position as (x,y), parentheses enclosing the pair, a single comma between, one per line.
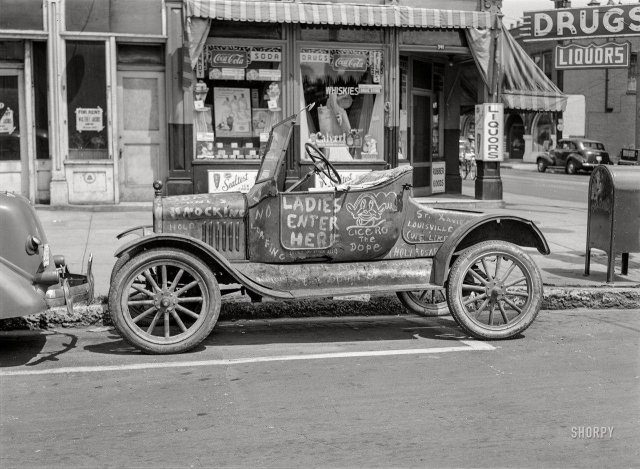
(347,87)
(249,30)
(87,100)
(114,16)
(21,14)
(403,144)
(9,118)
(237,98)
(633,72)
(41,105)
(341,34)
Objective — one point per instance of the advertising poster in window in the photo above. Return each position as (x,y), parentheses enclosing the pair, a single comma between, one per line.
(232,111)
(346,86)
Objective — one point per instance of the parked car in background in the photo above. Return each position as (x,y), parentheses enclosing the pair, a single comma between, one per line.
(573,155)
(32,279)
(629,157)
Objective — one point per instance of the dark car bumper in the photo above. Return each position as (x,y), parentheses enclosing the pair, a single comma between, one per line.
(73,288)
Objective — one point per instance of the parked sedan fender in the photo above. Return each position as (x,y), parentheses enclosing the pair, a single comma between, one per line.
(512,229)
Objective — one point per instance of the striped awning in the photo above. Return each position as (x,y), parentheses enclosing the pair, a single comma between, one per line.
(348,14)
(534,101)
(523,85)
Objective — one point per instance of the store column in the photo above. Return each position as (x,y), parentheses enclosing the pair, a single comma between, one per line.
(179,103)
(488,181)
(59,194)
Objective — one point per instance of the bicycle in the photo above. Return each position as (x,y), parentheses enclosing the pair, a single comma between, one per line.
(468,166)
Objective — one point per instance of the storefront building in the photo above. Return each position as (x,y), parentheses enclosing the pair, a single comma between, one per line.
(82,99)
(105,97)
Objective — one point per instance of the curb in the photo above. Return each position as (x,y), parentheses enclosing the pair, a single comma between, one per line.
(240,308)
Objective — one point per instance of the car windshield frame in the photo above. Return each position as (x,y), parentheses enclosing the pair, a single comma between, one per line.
(276,148)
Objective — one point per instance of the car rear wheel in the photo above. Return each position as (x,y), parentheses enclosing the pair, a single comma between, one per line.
(542,166)
(426,303)
(494,290)
(572,167)
(164,301)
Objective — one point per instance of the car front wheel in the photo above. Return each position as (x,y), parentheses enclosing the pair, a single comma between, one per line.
(494,290)
(164,301)
(542,166)
(572,167)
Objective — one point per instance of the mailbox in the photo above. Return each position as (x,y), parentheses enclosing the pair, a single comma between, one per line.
(613,223)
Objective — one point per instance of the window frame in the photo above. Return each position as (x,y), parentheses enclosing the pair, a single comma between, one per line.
(298,96)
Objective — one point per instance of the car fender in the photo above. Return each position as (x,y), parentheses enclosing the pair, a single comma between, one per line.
(577,157)
(546,157)
(512,229)
(215,260)
(18,295)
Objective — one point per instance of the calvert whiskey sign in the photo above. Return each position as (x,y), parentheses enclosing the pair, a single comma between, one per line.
(576,23)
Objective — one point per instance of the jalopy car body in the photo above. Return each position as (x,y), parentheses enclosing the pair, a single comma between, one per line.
(32,279)
(367,236)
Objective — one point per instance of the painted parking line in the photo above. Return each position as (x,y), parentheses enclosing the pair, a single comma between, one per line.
(469,346)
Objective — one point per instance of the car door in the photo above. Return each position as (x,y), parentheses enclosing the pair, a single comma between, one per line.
(561,152)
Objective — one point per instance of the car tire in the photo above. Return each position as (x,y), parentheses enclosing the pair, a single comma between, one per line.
(427,303)
(572,167)
(542,166)
(481,282)
(148,306)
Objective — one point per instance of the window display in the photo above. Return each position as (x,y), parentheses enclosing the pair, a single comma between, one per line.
(87,100)
(236,100)
(347,87)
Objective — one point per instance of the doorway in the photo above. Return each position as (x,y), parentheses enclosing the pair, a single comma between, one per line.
(141,133)
(14,163)
(421,107)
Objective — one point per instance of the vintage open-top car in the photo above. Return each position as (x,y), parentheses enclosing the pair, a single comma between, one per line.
(368,236)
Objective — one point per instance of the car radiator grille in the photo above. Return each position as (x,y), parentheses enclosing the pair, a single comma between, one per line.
(227,237)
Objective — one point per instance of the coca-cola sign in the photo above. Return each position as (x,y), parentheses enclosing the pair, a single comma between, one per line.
(349,62)
(229,59)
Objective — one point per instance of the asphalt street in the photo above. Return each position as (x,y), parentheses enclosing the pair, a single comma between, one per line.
(553,185)
(369,392)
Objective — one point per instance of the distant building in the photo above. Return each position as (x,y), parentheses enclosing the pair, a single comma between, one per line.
(602,102)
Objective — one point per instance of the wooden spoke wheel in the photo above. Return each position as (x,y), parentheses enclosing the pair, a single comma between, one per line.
(494,290)
(164,301)
(427,303)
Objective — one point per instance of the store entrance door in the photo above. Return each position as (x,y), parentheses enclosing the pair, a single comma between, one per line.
(141,133)
(14,160)
(421,108)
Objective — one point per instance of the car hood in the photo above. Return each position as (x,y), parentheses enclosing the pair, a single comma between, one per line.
(221,205)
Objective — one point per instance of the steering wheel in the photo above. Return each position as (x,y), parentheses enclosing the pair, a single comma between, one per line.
(322,163)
